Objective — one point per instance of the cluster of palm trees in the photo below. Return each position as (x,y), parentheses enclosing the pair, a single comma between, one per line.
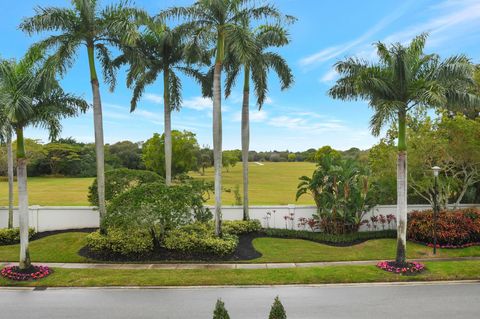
(236,34)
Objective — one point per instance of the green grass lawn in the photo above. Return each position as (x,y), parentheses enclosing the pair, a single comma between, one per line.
(454,270)
(270,184)
(64,248)
(52,191)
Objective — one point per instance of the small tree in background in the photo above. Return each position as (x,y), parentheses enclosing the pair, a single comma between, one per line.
(277,311)
(220,312)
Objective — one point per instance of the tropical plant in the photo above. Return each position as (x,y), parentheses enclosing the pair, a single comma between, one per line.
(218,22)
(253,55)
(6,138)
(95,28)
(403,79)
(31,96)
(161,50)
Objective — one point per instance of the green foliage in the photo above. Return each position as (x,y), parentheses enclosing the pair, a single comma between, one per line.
(277,311)
(220,311)
(184,153)
(238,227)
(325,151)
(120,242)
(10,236)
(292,157)
(231,158)
(121,180)
(237,195)
(153,207)
(332,239)
(125,154)
(200,239)
(341,191)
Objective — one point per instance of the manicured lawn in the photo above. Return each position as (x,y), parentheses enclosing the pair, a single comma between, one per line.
(270,184)
(455,270)
(52,191)
(64,248)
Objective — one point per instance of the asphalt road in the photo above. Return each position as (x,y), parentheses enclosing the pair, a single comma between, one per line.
(373,301)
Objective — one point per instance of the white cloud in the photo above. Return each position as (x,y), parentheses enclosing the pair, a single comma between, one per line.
(255,116)
(330,76)
(334,51)
(198,103)
(155,98)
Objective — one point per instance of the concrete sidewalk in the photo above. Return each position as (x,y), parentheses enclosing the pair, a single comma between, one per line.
(226,265)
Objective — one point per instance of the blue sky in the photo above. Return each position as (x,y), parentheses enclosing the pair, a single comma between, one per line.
(297,119)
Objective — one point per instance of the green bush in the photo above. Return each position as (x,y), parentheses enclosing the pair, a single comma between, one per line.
(277,311)
(118,242)
(341,239)
(10,236)
(199,238)
(220,311)
(121,180)
(238,227)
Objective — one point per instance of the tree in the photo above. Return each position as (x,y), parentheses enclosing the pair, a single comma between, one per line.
(87,25)
(160,50)
(230,158)
(292,157)
(277,311)
(405,78)
(218,22)
(128,154)
(184,150)
(251,53)
(220,311)
(6,138)
(31,96)
(205,159)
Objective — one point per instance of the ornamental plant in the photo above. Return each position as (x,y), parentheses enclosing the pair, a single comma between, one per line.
(33,273)
(277,311)
(220,311)
(406,268)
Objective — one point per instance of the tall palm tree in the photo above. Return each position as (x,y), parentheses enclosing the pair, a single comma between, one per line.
(404,78)
(255,59)
(160,50)
(31,96)
(219,22)
(96,29)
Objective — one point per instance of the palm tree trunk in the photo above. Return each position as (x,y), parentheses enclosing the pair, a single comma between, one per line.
(168,127)
(24,262)
(217,133)
(402,190)
(245,139)
(98,125)
(10,179)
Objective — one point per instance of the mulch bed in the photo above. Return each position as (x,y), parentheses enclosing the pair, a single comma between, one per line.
(56,232)
(244,251)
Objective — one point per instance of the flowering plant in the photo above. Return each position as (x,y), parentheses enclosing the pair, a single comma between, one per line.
(408,268)
(14,273)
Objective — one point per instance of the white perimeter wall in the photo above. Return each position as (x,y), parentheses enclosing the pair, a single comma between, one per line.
(46,218)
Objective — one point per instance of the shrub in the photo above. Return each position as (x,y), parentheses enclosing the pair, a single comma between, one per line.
(120,180)
(332,239)
(238,227)
(454,228)
(118,242)
(277,311)
(220,311)
(199,239)
(10,236)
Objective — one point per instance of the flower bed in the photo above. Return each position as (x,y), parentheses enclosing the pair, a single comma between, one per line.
(449,246)
(33,273)
(409,268)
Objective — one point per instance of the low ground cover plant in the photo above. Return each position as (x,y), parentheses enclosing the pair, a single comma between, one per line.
(459,228)
(239,227)
(118,242)
(11,236)
(331,239)
(32,273)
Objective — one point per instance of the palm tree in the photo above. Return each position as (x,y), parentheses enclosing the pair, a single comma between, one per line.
(87,25)
(160,50)
(256,62)
(31,96)
(404,78)
(218,22)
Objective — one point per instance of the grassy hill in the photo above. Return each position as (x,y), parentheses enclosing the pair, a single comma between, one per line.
(270,184)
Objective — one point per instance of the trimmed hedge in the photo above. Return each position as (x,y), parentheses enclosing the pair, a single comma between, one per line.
(239,227)
(454,228)
(199,239)
(119,242)
(343,239)
(10,236)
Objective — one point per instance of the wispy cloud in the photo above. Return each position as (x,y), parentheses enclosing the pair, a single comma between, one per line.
(198,103)
(154,98)
(334,51)
(255,116)
(330,76)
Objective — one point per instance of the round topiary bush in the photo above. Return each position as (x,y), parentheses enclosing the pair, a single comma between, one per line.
(454,228)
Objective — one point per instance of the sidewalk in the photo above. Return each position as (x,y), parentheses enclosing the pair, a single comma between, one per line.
(226,266)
